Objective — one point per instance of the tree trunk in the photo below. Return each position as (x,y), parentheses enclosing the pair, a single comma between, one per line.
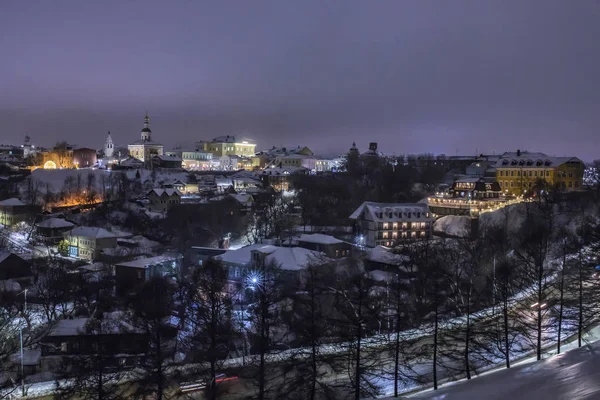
(505,314)
(539,311)
(313,341)
(468,335)
(397,349)
(358,343)
(562,292)
(262,349)
(435,348)
(580,319)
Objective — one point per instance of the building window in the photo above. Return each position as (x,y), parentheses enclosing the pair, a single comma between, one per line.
(547,173)
(512,173)
(512,183)
(501,173)
(570,184)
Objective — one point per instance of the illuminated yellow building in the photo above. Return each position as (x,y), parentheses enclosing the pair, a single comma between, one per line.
(517,172)
(228,146)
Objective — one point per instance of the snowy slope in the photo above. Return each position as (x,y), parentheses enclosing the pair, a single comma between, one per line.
(572,375)
(453,225)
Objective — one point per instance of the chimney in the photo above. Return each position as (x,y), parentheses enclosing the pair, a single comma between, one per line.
(518,153)
(373,146)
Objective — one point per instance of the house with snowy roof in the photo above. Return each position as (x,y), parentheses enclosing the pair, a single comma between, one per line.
(111,333)
(131,274)
(88,242)
(51,230)
(385,224)
(13,211)
(329,245)
(242,263)
(161,199)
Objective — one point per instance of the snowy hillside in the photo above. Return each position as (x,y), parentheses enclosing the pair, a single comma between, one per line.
(453,225)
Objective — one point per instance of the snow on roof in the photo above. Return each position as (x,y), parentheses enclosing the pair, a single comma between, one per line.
(388,209)
(240,256)
(319,238)
(146,262)
(383,255)
(282,170)
(12,202)
(242,197)
(525,159)
(68,327)
(224,139)
(223,182)
(164,157)
(4,255)
(168,192)
(147,142)
(52,223)
(290,258)
(91,232)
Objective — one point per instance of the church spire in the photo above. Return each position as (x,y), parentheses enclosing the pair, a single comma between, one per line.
(146,132)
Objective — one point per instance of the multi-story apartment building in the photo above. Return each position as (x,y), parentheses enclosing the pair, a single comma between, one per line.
(519,171)
(228,146)
(384,224)
(88,242)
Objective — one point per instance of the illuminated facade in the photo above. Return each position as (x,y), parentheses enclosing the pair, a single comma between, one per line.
(468,196)
(521,171)
(145,148)
(385,224)
(228,146)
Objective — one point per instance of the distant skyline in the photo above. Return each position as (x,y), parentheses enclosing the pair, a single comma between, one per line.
(413,75)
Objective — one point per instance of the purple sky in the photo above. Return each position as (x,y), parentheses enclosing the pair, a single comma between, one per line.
(415,76)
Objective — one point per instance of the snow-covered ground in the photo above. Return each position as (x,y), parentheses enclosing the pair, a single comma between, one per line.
(453,225)
(571,375)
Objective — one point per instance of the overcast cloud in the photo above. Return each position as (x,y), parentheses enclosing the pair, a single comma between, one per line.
(415,76)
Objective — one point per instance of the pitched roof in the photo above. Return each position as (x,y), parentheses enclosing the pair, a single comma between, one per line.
(388,209)
(91,232)
(167,191)
(319,238)
(164,157)
(525,159)
(12,202)
(54,223)
(4,255)
(147,142)
(146,262)
(290,258)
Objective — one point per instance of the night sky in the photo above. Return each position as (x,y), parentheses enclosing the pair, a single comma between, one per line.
(415,76)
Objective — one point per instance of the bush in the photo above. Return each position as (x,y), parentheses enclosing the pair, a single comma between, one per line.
(63,247)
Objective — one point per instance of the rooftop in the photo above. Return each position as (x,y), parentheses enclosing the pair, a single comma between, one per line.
(146,262)
(388,211)
(54,223)
(12,202)
(146,142)
(91,232)
(319,238)
(290,258)
(167,191)
(164,157)
(525,159)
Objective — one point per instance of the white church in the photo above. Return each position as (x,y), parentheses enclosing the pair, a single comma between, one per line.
(145,148)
